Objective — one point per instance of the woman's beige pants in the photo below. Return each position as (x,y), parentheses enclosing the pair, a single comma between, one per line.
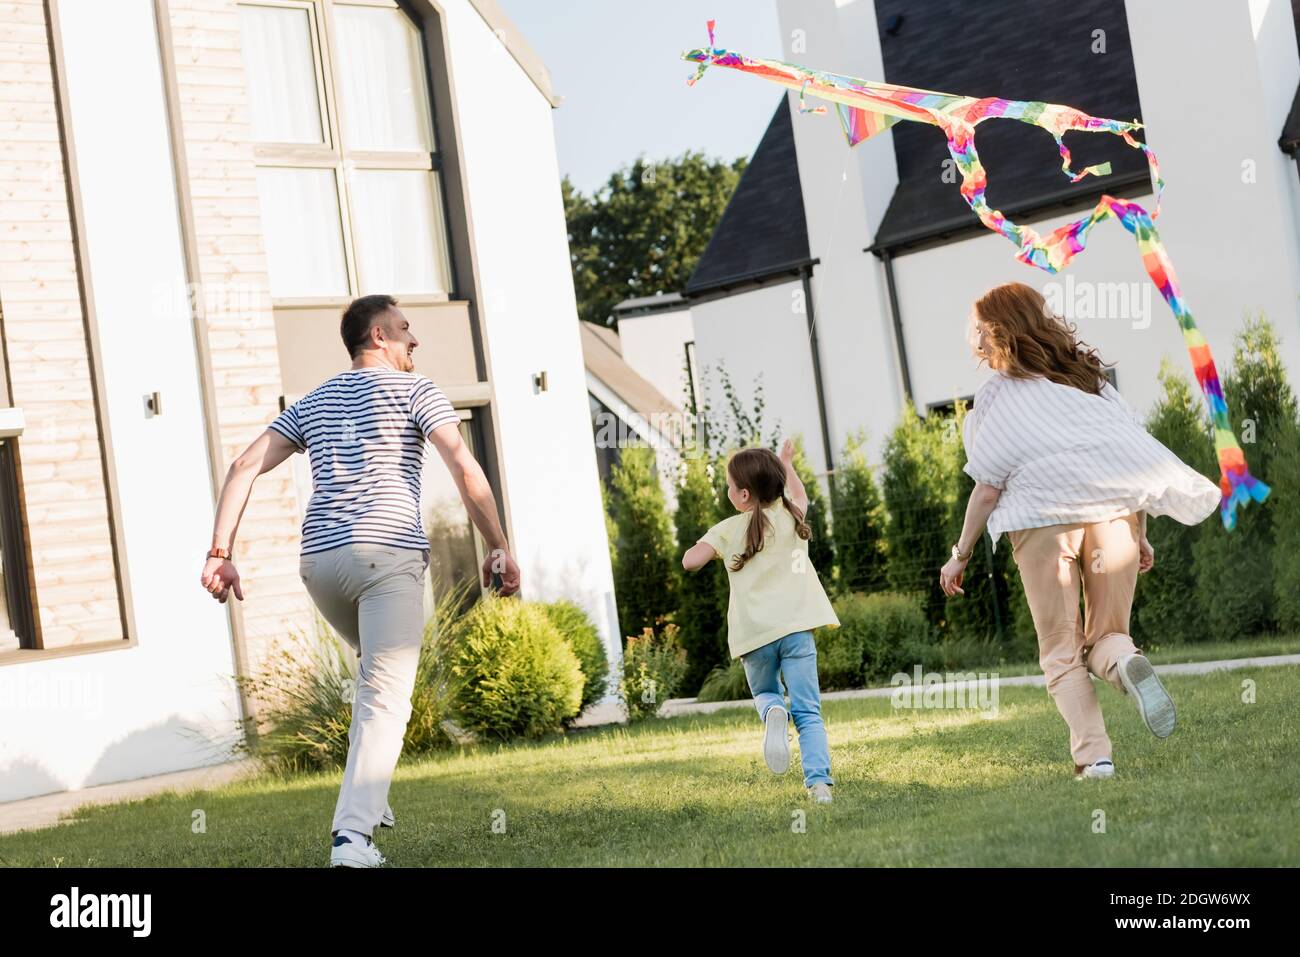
(373,595)
(1053,561)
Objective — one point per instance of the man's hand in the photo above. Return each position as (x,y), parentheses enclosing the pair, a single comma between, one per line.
(499,562)
(220,577)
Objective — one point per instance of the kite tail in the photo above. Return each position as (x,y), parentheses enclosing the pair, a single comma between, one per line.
(1236,485)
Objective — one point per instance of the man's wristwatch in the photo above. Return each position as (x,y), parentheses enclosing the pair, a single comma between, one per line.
(956,554)
(219,553)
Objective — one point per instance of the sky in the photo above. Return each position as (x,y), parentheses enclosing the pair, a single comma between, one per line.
(617,64)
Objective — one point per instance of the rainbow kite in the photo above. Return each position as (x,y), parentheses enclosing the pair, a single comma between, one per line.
(866,108)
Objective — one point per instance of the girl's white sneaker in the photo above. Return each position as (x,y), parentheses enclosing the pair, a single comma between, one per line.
(821,793)
(1153,702)
(1105,768)
(776,740)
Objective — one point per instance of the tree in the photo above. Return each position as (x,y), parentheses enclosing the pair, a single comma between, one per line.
(1285,482)
(1236,568)
(919,484)
(821,549)
(644,564)
(984,610)
(1168,608)
(859,520)
(702,616)
(643,232)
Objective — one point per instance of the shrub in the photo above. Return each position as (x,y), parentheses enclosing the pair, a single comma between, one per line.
(654,664)
(702,616)
(983,612)
(576,628)
(1167,607)
(518,675)
(726,683)
(859,521)
(644,564)
(821,550)
(878,636)
(304,696)
(918,482)
(1285,482)
(1236,568)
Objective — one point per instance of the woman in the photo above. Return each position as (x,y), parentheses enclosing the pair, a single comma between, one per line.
(1065,468)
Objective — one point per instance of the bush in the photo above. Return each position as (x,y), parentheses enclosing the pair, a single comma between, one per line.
(644,565)
(1167,608)
(726,683)
(576,628)
(919,483)
(1236,567)
(518,675)
(304,696)
(654,664)
(1285,482)
(983,613)
(821,550)
(702,616)
(859,522)
(879,635)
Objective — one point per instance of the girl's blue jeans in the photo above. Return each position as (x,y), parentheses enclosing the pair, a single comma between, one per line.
(794,659)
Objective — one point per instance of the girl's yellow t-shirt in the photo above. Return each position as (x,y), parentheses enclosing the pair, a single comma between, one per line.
(778,592)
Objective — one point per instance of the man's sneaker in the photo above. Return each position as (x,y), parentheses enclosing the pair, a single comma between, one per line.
(776,740)
(1153,701)
(1104,768)
(388,820)
(821,793)
(348,853)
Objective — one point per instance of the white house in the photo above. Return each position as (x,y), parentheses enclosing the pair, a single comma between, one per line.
(844,276)
(192,190)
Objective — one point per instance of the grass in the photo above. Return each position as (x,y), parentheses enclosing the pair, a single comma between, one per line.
(913,788)
(1176,654)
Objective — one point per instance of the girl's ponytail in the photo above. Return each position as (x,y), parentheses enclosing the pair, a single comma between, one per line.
(760,472)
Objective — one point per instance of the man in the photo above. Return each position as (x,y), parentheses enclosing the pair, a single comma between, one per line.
(364,550)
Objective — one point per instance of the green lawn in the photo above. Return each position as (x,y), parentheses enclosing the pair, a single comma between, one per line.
(914,788)
(1179,654)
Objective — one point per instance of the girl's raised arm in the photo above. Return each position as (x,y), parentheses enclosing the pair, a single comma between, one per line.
(697,556)
(795,491)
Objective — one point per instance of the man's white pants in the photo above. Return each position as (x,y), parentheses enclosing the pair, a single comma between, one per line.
(373,595)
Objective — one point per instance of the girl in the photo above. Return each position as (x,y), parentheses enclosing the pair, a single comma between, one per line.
(776,601)
(1065,468)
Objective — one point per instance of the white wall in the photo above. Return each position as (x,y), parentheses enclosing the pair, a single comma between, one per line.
(167,703)
(1229,238)
(755,333)
(845,194)
(529,314)
(654,346)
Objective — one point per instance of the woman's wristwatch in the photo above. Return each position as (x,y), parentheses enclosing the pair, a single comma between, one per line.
(956,554)
(219,553)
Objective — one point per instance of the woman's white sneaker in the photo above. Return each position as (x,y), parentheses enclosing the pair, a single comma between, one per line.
(1153,702)
(821,793)
(776,740)
(1105,768)
(388,820)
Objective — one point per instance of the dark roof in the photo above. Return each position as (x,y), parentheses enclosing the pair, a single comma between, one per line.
(1290,138)
(644,305)
(1029,50)
(762,232)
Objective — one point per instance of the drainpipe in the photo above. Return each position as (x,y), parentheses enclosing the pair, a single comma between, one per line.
(899,345)
(806,275)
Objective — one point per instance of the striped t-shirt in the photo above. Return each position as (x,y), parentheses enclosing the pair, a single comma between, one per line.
(364,431)
(1062,456)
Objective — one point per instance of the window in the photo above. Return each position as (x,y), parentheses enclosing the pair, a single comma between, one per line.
(455,549)
(17,623)
(347,165)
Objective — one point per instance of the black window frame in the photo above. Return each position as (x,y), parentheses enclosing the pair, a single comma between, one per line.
(13,548)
